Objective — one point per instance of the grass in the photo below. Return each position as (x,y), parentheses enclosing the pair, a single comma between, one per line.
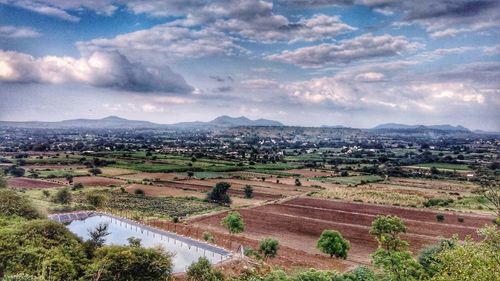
(61,173)
(443,166)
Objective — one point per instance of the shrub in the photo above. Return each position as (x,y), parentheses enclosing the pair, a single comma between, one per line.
(95,200)
(202,270)
(269,247)
(233,222)
(248,191)
(14,204)
(95,171)
(207,236)
(62,196)
(440,217)
(77,186)
(139,192)
(297,182)
(460,220)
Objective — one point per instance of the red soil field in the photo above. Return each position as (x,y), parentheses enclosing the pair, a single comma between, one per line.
(32,183)
(299,222)
(208,187)
(97,181)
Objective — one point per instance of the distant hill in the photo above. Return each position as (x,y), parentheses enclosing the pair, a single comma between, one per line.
(397,126)
(114,122)
(111,122)
(227,121)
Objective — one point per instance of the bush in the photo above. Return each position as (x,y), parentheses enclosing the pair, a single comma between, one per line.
(248,191)
(95,171)
(62,196)
(269,247)
(460,220)
(14,204)
(130,263)
(207,236)
(139,192)
(96,200)
(77,186)
(440,217)
(20,277)
(202,270)
(233,222)
(297,182)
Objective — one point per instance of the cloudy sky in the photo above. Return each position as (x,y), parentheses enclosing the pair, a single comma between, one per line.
(303,62)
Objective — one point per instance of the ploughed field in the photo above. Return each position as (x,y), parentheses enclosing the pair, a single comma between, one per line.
(298,223)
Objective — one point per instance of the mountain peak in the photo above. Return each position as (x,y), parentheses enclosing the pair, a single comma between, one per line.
(226,120)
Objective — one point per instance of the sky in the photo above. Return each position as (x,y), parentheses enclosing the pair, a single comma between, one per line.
(356,63)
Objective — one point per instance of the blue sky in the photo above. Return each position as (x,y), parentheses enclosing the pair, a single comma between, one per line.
(303,62)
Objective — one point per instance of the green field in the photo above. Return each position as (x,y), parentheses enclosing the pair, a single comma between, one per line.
(443,166)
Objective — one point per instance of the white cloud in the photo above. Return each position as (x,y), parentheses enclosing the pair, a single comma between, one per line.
(370,76)
(10,31)
(363,47)
(260,83)
(99,69)
(165,43)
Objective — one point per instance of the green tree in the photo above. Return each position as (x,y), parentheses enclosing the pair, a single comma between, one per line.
(62,196)
(69,178)
(269,247)
(248,191)
(97,235)
(392,256)
(202,270)
(14,204)
(219,194)
(332,243)
(95,171)
(233,222)
(387,231)
(428,256)
(130,263)
(21,277)
(471,260)
(190,174)
(41,248)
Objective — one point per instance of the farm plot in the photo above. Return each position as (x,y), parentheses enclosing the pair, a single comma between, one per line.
(32,183)
(298,223)
(98,181)
(352,180)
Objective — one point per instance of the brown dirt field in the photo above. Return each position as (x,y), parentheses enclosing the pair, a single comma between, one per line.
(206,186)
(153,190)
(32,183)
(97,181)
(298,223)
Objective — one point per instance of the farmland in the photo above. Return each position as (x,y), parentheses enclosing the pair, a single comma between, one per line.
(296,193)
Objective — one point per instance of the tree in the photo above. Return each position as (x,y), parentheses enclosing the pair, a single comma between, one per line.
(95,171)
(202,270)
(387,230)
(14,204)
(269,247)
(470,260)
(190,174)
(427,257)
(139,192)
(17,171)
(130,263)
(490,187)
(393,257)
(62,196)
(77,186)
(219,194)
(248,191)
(233,222)
(332,243)
(97,235)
